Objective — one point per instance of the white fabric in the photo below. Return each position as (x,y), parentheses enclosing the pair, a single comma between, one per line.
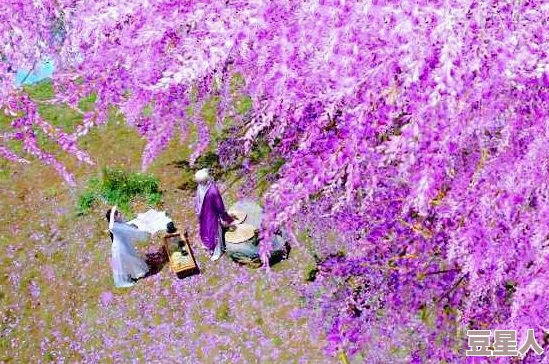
(200,193)
(202,176)
(126,262)
(151,221)
(219,247)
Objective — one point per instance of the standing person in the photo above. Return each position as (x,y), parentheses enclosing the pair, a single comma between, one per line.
(127,265)
(211,213)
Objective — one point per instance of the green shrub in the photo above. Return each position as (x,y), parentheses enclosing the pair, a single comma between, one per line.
(86,202)
(119,187)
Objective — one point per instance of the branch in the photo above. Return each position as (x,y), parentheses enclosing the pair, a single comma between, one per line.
(238,178)
(451,289)
(442,271)
(28,74)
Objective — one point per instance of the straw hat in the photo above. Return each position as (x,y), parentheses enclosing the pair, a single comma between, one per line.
(240,216)
(242,233)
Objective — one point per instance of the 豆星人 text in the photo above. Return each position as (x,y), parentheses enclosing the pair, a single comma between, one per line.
(504,344)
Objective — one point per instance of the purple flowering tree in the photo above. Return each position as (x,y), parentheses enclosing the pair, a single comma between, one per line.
(414,136)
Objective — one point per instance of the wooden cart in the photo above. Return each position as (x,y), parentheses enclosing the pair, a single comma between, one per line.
(180,255)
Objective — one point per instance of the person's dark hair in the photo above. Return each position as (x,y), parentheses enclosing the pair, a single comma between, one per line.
(170,228)
(108,216)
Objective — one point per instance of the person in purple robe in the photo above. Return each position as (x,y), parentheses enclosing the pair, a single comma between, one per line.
(211,213)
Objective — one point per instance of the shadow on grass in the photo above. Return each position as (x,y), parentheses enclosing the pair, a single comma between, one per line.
(192,272)
(156,261)
(253,260)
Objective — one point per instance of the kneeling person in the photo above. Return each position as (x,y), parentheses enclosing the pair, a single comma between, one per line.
(127,265)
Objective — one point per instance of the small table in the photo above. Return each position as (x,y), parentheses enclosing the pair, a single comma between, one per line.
(180,255)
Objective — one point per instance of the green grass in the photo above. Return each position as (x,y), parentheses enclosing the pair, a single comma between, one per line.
(65,118)
(16,146)
(427,315)
(237,82)
(243,104)
(5,121)
(119,187)
(270,169)
(79,249)
(147,111)
(260,151)
(208,160)
(60,116)
(44,142)
(209,111)
(40,91)
(223,313)
(277,341)
(310,272)
(87,104)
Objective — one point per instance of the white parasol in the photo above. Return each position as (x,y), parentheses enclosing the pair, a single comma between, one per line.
(151,221)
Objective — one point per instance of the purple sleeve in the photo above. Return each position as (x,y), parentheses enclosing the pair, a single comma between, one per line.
(220,206)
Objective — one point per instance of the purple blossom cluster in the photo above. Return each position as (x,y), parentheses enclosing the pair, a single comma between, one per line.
(414,135)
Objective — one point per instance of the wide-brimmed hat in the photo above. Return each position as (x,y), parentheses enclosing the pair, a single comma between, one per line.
(240,216)
(241,233)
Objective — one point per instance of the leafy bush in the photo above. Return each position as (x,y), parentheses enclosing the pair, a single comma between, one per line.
(119,187)
(86,201)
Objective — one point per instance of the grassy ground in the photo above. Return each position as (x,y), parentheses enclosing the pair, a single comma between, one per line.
(58,303)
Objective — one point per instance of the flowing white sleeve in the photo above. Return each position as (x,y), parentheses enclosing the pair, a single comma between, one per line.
(111,219)
(129,233)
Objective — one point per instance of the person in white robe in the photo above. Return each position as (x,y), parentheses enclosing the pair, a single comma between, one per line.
(127,265)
